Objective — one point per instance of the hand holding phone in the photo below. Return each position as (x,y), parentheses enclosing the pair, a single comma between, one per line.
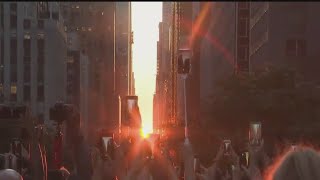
(108,147)
(196,164)
(227,147)
(255,133)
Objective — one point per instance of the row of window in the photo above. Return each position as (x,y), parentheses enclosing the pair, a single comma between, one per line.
(1,16)
(26,93)
(26,22)
(84,29)
(296,47)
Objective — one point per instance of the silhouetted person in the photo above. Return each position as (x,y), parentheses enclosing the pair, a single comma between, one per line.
(300,164)
(10,174)
(83,159)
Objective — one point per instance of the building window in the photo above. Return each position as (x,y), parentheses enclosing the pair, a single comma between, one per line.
(26,23)
(70,89)
(296,47)
(26,93)
(40,24)
(243,5)
(40,72)
(13,72)
(1,75)
(27,47)
(243,27)
(13,21)
(41,47)
(13,92)
(40,93)
(243,52)
(13,51)
(41,118)
(27,72)
(13,7)
(2,51)
(55,16)
(70,59)
(27,36)
(1,93)
(43,10)
(40,59)
(27,59)
(40,36)
(2,15)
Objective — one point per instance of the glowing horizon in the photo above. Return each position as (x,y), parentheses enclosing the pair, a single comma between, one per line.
(145,21)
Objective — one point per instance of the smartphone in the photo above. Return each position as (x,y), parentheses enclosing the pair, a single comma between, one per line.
(132,117)
(108,147)
(244,159)
(294,147)
(255,133)
(196,164)
(227,146)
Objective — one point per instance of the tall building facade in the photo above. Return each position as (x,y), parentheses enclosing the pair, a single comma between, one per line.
(180,37)
(285,34)
(123,48)
(163,81)
(123,53)
(33,55)
(94,22)
(215,42)
(78,79)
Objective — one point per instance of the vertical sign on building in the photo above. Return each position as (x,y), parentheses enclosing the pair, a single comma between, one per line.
(242,36)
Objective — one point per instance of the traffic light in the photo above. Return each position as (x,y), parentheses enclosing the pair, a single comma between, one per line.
(184,64)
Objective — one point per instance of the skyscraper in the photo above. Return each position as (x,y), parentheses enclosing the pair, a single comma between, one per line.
(33,55)
(123,33)
(285,34)
(94,22)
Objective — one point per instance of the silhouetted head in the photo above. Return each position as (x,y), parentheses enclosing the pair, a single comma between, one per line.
(10,174)
(300,164)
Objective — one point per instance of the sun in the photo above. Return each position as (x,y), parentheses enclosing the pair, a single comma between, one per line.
(145,132)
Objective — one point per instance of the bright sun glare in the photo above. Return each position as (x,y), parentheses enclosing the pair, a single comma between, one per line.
(145,21)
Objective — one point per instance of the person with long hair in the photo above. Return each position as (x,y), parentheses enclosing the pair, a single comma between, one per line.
(10,174)
(301,163)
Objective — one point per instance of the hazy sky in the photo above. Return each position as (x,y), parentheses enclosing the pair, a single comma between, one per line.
(145,22)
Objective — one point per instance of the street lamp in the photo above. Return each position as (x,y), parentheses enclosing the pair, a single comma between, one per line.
(184,67)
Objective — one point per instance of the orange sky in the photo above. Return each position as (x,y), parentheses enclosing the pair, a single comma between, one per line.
(145,21)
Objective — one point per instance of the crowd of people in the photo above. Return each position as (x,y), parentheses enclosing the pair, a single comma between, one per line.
(295,162)
(147,159)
